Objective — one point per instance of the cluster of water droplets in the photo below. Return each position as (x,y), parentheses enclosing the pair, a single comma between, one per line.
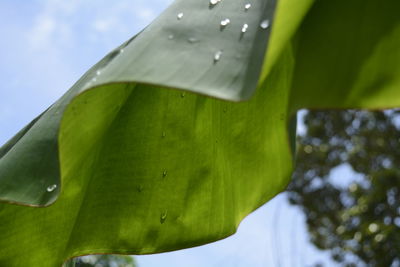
(224,23)
(245,27)
(217,57)
(100,71)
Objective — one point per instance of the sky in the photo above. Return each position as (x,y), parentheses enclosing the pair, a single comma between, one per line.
(47,45)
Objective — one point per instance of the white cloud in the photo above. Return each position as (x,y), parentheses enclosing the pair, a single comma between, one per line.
(41,33)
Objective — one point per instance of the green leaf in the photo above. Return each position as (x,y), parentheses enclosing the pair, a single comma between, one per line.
(140,168)
(348,56)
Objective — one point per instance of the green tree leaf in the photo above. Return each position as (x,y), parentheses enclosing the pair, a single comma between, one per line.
(357,219)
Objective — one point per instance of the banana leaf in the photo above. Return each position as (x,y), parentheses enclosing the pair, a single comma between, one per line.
(179,133)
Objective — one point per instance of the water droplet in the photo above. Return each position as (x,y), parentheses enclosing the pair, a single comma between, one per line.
(140,188)
(214,2)
(98,72)
(121,50)
(51,188)
(264,24)
(183,95)
(225,22)
(164,134)
(163,216)
(217,55)
(179,16)
(164,173)
(193,40)
(247,6)
(245,27)
(170,37)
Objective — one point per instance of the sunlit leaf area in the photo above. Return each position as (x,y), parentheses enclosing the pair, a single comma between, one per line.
(341,209)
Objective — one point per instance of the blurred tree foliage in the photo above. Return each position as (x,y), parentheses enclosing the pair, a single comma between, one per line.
(102,261)
(359,222)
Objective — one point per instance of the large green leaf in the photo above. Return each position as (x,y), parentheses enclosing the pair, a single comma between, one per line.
(146,169)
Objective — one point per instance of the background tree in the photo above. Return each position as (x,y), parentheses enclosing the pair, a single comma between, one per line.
(102,261)
(360,222)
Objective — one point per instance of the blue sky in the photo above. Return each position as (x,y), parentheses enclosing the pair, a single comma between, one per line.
(47,45)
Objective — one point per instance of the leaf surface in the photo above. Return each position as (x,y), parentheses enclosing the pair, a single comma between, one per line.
(142,167)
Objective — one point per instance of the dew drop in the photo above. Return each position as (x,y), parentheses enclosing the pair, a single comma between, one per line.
(179,16)
(140,188)
(245,27)
(163,216)
(214,2)
(164,134)
(264,24)
(170,37)
(51,188)
(225,22)
(164,173)
(121,51)
(183,95)
(193,40)
(98,72)
(217,55)
(247,6)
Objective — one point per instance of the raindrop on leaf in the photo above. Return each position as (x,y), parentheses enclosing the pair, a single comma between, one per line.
(264,24)
(214,2)
(225,22)
(217,55)
(245,27)
(51,188)
(193,40)
(163,216)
